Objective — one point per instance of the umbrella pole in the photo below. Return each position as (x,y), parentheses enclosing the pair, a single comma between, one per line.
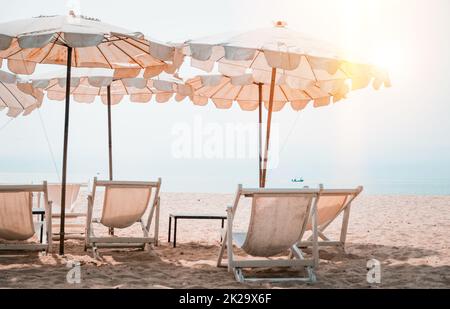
(108,90)
(260,131)
(64,168)
(269,120)
(108,95)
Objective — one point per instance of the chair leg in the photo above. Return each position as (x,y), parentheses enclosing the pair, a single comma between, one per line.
(229,239)
(344,228)
(315,240)
(311,274)
(158,205)
(95,252)
(222,250)
(238,275)
(227,242)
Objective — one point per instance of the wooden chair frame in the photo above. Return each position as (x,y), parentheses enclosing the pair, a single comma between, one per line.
(46,244)
(350,194)
(296,258)
(69,216)
(94,242)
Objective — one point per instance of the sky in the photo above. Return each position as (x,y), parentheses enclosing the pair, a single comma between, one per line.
(391,141)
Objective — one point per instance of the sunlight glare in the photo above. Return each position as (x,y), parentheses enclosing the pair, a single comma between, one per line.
(388,56)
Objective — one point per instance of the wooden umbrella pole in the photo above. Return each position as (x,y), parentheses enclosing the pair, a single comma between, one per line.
(108,95)
(108,91)
(260,131)
(64,167)
(269,120)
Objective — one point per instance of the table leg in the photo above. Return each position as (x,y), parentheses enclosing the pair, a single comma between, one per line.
(175,233)
(222,229)
(170,226)
(42,228)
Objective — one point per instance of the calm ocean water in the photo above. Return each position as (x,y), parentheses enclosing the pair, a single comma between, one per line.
(216,184)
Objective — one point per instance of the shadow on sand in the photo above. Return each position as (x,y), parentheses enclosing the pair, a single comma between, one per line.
(192,265)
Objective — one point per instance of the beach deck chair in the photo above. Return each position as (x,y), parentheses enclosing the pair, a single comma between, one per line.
(16,218)
(331,203)
(124,204)
(278,220)
(74,229)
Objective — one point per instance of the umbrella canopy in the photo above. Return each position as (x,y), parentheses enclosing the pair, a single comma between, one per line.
(45,39)
(275,66)
(14,99)
(87,84)
(223,90)
(80,42)
(301,61)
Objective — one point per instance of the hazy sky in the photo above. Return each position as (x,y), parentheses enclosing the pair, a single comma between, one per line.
(392,141)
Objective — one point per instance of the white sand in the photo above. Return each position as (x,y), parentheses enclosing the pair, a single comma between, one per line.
(409,235)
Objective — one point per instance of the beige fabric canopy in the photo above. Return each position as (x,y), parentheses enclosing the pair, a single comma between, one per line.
(16,101)
(44,39)
(224,90)
(301,62)
(86,84)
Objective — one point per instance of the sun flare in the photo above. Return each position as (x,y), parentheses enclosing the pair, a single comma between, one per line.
(362,38)
(388,56)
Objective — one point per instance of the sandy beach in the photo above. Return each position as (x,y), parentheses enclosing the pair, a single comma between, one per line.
(407,234)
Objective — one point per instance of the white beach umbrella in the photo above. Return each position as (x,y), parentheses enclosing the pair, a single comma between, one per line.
(80,42)
(299,61)
(92,43)
(14,99)
(275,65)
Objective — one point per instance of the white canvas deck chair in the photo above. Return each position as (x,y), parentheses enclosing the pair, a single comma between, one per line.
(16,218)
(74,229)
(331,203)
(278,221)
(124,204)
